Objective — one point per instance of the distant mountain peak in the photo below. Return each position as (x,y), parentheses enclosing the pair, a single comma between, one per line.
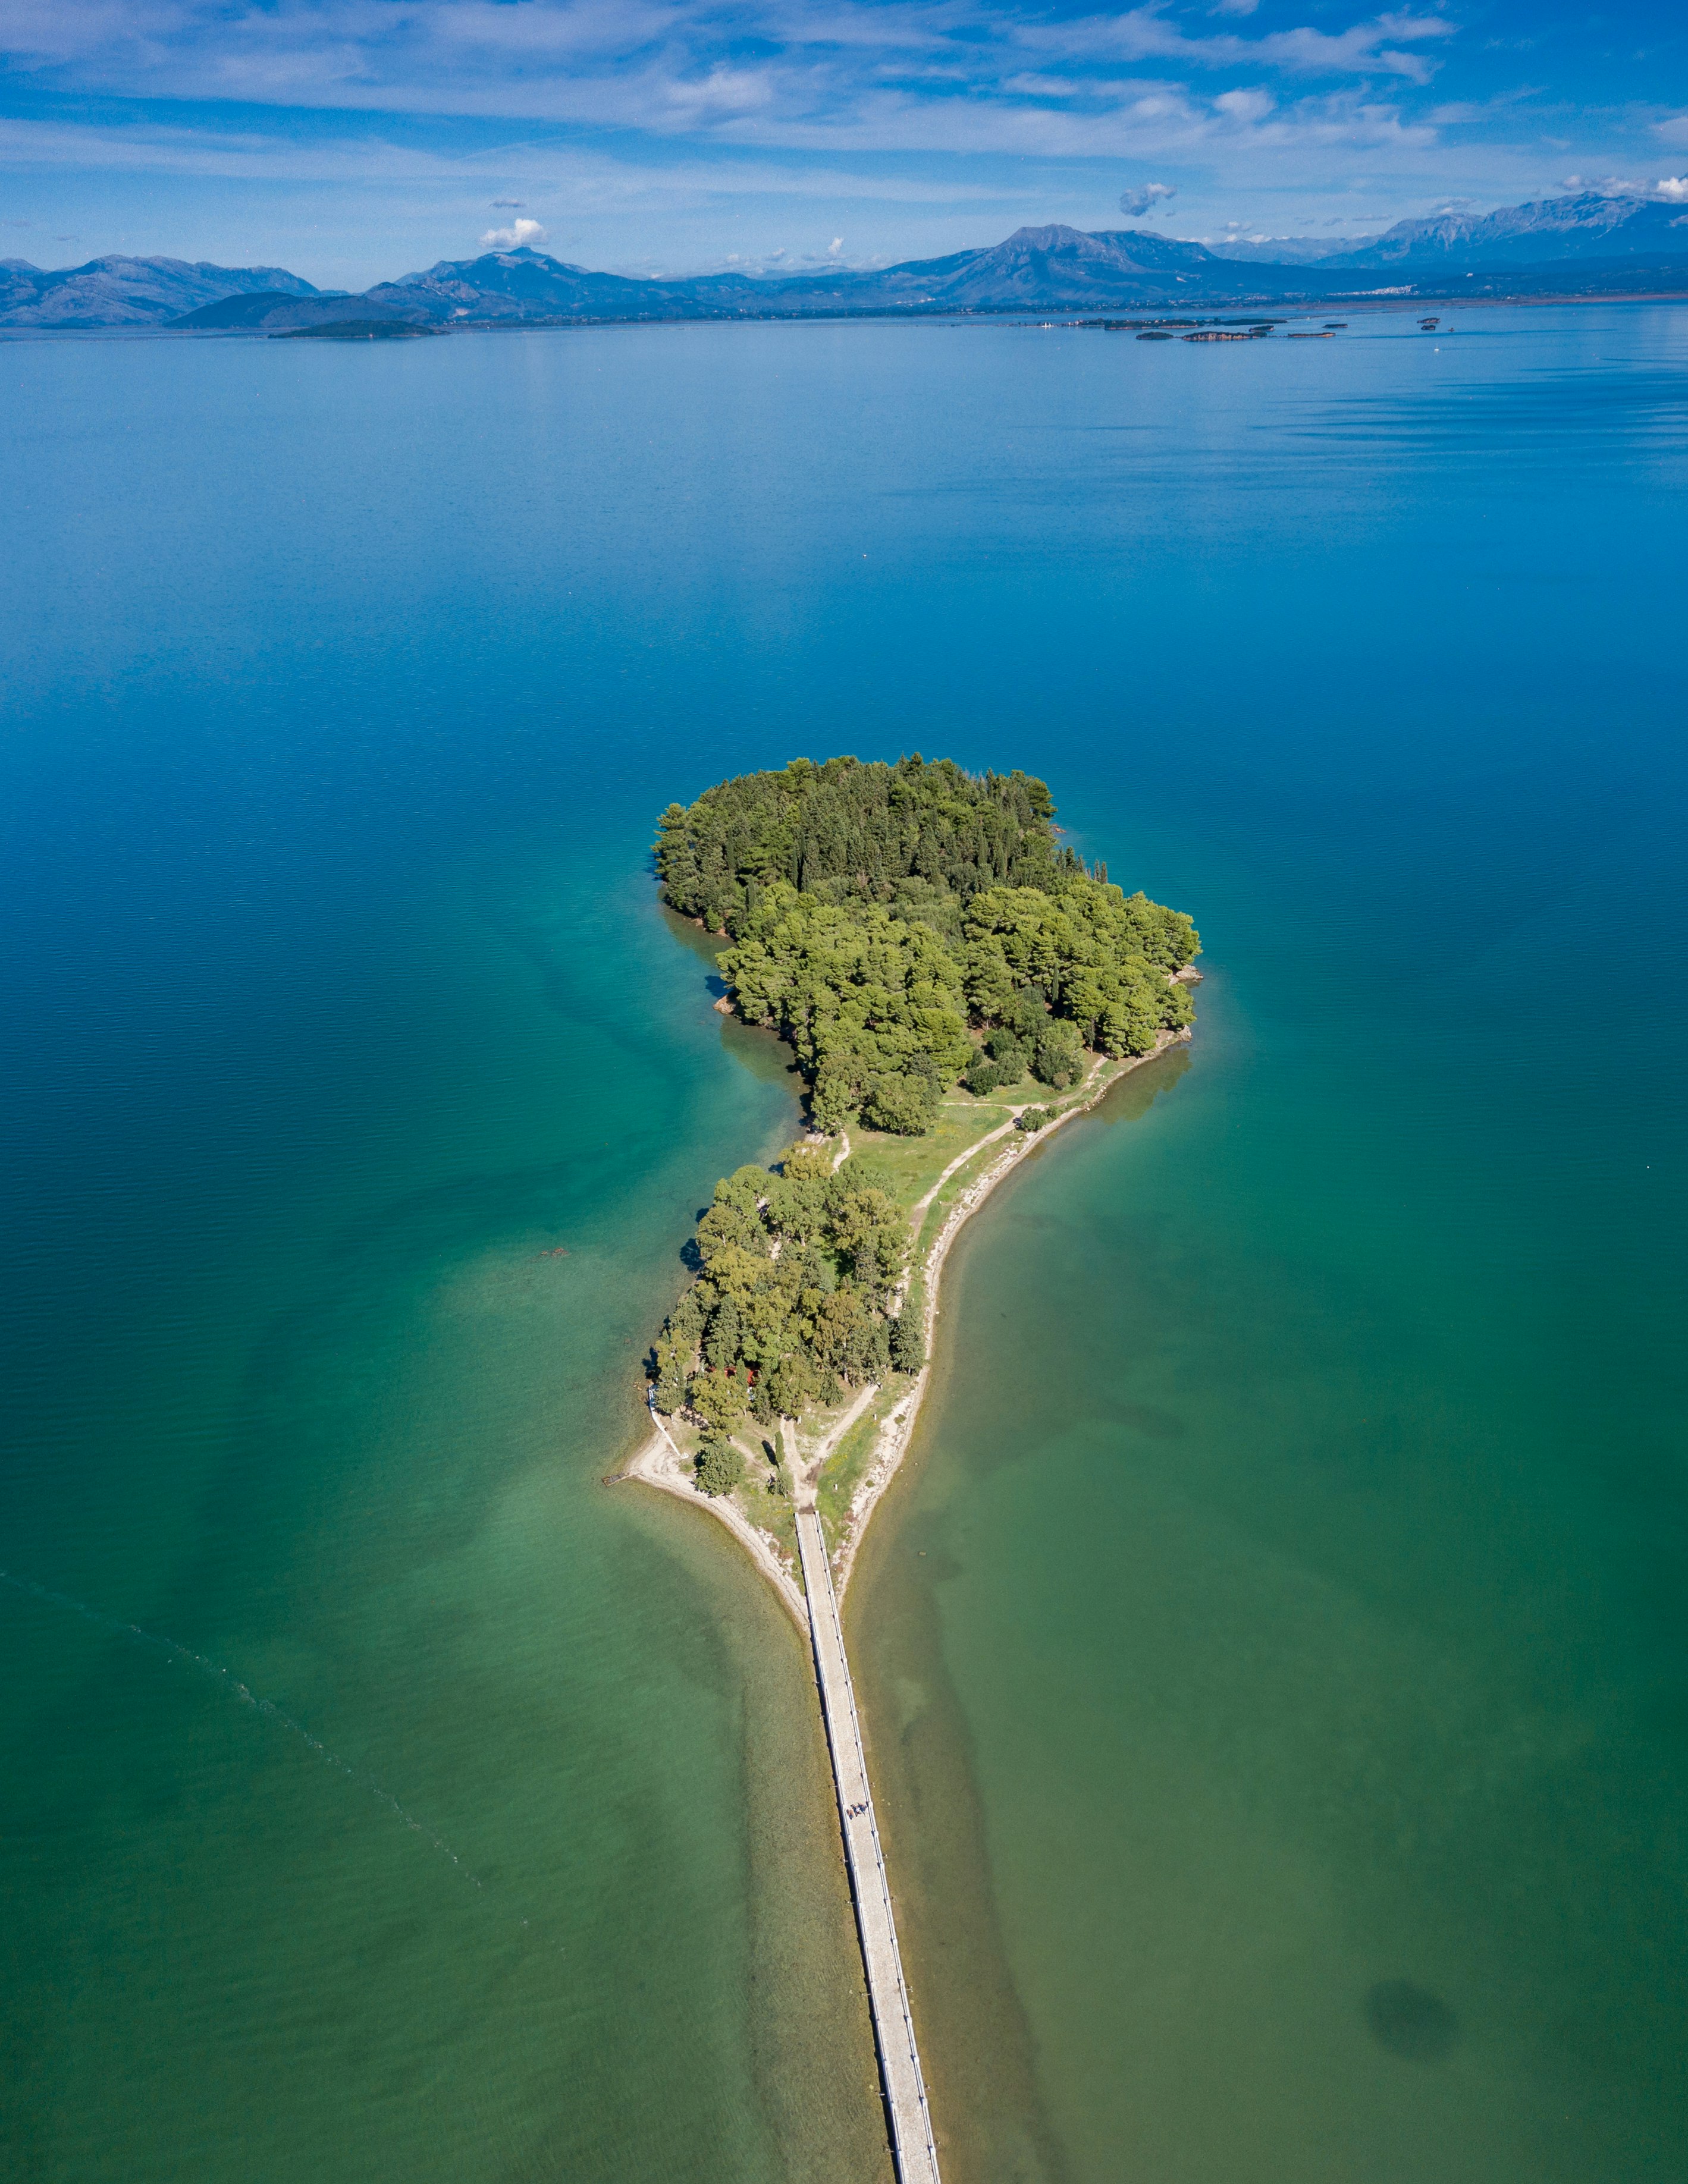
(1588,223)
(120,291)
(1594,240)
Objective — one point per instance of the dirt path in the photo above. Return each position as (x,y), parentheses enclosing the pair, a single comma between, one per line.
(806,1470)
(917,1211)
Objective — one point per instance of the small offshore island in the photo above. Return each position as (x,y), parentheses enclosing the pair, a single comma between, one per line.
(951,980)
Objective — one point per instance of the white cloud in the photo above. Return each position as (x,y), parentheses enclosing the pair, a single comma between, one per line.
(1245,108)
(520,235)
(642,114)
(1668,189)
(671,66)
(1147,33)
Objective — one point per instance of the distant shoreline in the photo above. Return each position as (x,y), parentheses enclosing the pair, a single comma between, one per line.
(1370,302)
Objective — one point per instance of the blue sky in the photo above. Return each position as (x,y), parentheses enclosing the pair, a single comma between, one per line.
(355,139)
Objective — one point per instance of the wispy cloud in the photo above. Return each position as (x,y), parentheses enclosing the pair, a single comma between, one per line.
(694,66)
(584,117)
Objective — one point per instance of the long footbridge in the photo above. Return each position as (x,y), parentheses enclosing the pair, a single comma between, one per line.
(905,2091)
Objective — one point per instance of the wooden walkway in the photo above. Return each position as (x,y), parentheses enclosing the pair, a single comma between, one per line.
(905,2090)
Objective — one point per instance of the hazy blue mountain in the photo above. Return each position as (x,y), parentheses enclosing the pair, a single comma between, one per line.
(1038,269)
(526,284)
(512,287)
(1581,244)
(1280,250)
(1582,227)
(268,310)
(127,292)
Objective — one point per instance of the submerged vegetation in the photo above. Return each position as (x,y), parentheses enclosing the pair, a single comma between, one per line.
(893,922)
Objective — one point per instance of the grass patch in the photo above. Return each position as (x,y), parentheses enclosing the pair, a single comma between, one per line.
(769,1513)
(912,1165)
(842,1472)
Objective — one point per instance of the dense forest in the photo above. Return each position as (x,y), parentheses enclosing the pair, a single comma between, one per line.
(799,1273)
(907,925)
(912,835)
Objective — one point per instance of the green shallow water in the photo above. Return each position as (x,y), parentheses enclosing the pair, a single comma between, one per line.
(1275,1650)
(448,1813)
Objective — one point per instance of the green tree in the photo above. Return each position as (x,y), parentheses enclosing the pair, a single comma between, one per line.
(673,1368)
(719,1399)
(792,1385)
(720,1467)
(1012,1056)
(797,1206)
(905,1106)
(721,1342)
(1058,1059)
(908,1332)
(1030,1012)
(838,1323)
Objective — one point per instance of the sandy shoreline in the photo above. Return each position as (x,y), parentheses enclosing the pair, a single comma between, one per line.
(898,1432)
(658,1463)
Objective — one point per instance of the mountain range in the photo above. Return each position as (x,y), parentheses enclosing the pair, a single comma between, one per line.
(1561,231)
(1585,244)
(127,292)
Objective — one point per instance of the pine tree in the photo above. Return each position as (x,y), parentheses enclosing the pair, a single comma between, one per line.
(908,1332)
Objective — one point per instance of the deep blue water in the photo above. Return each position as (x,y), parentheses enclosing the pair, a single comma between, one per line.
(343,687)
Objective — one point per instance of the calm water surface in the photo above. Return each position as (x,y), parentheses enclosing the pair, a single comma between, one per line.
(1274,1652)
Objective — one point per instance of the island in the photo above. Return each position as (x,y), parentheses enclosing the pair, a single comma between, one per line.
(953,982)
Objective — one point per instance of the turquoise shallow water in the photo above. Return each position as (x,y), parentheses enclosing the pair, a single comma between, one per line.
(1300,1612)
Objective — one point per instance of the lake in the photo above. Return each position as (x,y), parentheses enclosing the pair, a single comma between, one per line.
(1274,1651)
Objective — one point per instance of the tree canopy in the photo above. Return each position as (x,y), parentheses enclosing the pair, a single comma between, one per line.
(883,917)
(801,1271)
(843,830)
